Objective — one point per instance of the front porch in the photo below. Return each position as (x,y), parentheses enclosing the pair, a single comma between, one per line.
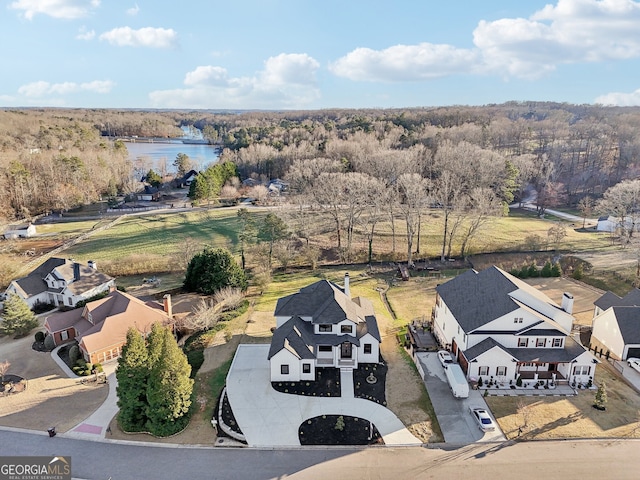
(542,375)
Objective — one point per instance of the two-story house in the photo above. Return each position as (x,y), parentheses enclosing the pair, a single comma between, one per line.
(322,326)
(499,328)
(615,330)
(61,282)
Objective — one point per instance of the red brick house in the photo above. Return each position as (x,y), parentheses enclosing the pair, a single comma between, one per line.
(100,328)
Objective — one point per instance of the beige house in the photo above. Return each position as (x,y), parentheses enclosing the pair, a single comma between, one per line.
(100,328)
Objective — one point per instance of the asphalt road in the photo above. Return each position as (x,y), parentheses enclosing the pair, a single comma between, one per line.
(528,460)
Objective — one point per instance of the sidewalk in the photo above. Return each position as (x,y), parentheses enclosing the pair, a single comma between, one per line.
(96,425)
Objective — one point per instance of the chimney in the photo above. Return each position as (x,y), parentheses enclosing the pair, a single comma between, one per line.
(76,271)
(112,288)
(166,300)
(347,291)
(567,302)
(92,264)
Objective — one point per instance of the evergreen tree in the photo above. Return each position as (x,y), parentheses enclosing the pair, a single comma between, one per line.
(154,179)
(17,317)
(547,270)
(556,270)
(169,388)
(601,395)
(132,375)
(213,269)
(154,345)
(182,164)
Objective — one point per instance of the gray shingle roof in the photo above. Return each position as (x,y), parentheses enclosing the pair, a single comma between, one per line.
(571,350)
(610,299)
(476,298)
(325,302)
(628,319)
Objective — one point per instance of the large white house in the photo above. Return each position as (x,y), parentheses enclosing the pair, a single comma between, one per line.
(322,326)
(501,328)
(615,330)
(61,282)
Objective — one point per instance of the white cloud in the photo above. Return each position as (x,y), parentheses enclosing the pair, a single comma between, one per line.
(143,37)
(287,81)
(620,99)
(133,11)
(66,9)
(84,34)
(42,88)
(571,31)
(404,62)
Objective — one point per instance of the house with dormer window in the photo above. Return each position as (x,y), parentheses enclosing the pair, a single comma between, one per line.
(61,282)
(499,327)
(322,326)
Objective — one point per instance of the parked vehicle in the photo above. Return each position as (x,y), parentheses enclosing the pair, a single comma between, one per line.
(483,419)
(634,363)
(444,357)
(457,380)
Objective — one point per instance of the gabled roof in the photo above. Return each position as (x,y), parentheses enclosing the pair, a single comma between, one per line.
(570,351)
(325,303)
(477,298)
(296,336)
(628,319)
(610,299)
(104,323)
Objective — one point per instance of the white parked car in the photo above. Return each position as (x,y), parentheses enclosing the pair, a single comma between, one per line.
(444,357)
(634,363)
(483,419)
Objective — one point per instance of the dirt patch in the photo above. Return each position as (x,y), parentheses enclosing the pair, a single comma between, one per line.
(572,417)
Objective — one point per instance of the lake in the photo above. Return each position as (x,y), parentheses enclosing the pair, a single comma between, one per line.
(160,156)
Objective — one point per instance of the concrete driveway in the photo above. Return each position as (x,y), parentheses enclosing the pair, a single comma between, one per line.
(456,422)
(629,374)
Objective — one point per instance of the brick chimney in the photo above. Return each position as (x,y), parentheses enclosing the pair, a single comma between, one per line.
(166,301)
(347,290)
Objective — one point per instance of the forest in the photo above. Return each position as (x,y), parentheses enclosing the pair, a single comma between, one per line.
(461,159)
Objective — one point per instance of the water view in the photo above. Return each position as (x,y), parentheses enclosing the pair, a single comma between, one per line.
(160,156)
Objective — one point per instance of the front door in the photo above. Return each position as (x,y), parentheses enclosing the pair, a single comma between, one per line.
(553,367)
(345,350)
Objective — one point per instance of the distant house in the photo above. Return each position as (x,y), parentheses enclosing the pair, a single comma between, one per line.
(61,281)
(499,327)
(611,224)
(150,194)
(24,230)
(615,330)
(322,326)
(186,179)
(100,328)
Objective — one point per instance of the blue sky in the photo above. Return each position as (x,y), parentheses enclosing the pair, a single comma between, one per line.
(307,54)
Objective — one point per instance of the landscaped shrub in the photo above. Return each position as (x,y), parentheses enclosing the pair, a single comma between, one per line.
(533,270)
(39,337)
(49,342)
(74,354)
(546,270)
(519,381)
(578,273)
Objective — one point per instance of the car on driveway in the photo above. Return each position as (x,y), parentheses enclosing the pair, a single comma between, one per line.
(483,419)
(444,357)
(634,363)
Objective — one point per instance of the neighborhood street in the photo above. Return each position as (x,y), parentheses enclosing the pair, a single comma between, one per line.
(528,460)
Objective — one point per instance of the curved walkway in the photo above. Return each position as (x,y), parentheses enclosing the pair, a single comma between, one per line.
(96,425)
(269,418)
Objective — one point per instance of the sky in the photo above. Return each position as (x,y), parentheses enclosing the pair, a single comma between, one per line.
(310,54)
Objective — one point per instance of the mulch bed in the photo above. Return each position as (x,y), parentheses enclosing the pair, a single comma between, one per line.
(12,384)
(227,416)
(369,390)
(326,384)
(322,431)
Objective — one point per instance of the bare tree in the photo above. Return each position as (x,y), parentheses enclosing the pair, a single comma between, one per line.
(413,190)
(524,410)
(586,206)
(484,206)
(623,202)
(4,368)
(188,249)
(556,233)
